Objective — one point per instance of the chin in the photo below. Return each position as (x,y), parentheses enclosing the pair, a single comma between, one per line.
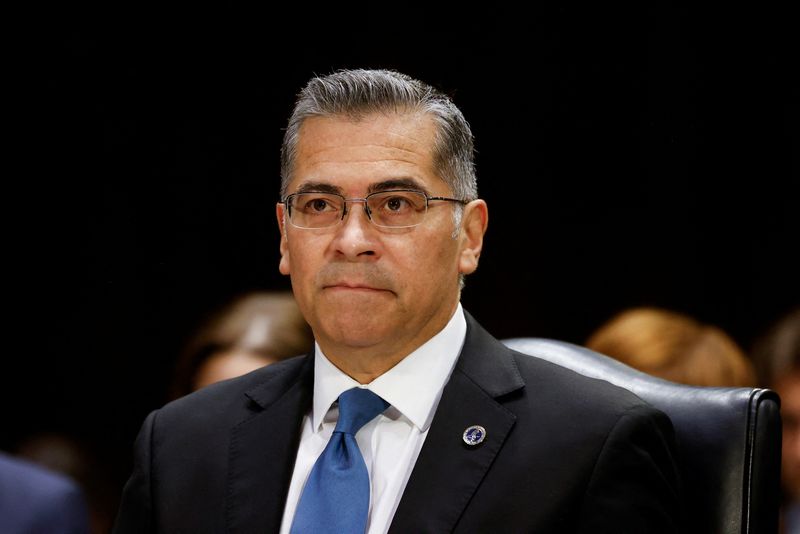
(356,331)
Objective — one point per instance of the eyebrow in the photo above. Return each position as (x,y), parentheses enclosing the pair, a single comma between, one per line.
(397,183)
(319,187)
(385,185)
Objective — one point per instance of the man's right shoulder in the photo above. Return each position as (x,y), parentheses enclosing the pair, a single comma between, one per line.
(233,399)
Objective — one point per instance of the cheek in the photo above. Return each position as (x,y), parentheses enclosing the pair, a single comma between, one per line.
(443,253)
(431,263)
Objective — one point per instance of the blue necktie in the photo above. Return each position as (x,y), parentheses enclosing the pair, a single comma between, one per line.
(336,495)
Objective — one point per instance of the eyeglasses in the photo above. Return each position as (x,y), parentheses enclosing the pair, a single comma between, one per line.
(398,208)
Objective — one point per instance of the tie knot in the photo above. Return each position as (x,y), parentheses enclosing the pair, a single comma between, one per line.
(357,407)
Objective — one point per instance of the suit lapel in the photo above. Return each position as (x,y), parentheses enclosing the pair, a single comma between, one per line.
(263,448)
(448,471)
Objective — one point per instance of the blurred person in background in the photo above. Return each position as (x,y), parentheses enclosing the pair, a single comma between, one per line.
(93,472)
(777,358)
(675,347)
(35,500)
(252,331)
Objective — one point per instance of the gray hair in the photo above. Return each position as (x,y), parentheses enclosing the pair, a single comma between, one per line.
(357,93)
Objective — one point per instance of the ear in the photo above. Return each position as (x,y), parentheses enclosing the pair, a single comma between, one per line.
(280,213)
(474,222)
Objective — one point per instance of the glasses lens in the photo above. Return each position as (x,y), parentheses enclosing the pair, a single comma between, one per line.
(396,209)
(315,210)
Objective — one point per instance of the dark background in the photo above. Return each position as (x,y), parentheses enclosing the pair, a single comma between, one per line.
(629,155)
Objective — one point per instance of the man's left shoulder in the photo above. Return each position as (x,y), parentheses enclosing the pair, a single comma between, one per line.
(534,383)
(547,381)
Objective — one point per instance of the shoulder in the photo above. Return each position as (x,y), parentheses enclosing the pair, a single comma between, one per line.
(204,417)
(549,382)
(525,382)
(542,394)
(583,406)
(236,394)
(31,480)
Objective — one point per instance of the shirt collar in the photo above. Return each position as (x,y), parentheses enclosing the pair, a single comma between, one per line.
(413,386)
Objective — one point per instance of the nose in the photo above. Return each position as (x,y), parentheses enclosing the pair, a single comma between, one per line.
(356,238)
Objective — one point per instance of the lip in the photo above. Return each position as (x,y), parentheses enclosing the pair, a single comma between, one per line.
(350,286)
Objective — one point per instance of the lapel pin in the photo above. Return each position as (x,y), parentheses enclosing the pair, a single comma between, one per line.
(474,435)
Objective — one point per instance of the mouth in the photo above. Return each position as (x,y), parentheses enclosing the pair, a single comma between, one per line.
(353,286)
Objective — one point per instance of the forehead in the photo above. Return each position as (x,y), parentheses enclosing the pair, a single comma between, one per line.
(374,148)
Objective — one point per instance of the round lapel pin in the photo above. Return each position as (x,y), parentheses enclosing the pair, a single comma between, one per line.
(474,435)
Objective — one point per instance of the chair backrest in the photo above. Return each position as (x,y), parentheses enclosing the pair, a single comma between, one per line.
(728,439)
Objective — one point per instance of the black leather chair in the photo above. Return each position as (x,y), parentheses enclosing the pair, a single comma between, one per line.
(728,439)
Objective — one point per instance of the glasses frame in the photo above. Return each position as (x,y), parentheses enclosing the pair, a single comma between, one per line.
(288,199)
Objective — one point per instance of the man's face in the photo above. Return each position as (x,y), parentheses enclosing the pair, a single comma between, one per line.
(364,287)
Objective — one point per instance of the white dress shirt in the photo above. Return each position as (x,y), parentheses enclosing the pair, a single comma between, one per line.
(391,442)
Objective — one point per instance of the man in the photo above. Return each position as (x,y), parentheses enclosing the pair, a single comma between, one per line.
(380,222)
(34,500)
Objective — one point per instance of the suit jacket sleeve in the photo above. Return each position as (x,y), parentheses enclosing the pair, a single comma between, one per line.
(634,486)
(135,511)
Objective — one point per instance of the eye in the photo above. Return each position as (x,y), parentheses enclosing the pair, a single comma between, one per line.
(399,202)
(315,203)
(396,203)
(319,204)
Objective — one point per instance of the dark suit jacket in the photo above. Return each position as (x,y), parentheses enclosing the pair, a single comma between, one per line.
(563,453)
(34,500)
